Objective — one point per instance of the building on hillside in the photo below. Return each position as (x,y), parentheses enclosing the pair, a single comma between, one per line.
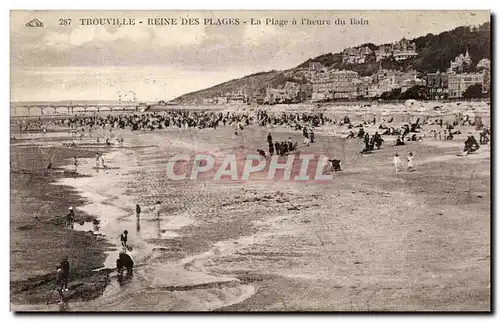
(437,84)
(458,83)
(315,66)
(356,55)
(383,52)
(276,95)
(387,80)
(363,86)
(260,99)
(404,54)
(404,49)
(287,93)
(400,50)
(408,79)
(404,44)
(484,67)
(335,84)
(305,93)
(291,90)
(461,63)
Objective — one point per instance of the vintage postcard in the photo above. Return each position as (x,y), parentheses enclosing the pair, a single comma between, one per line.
(250,161)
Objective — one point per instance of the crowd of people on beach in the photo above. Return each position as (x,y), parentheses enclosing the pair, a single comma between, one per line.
(104,128)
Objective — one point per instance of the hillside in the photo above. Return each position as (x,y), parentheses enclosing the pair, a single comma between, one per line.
(434,53)
(251,85)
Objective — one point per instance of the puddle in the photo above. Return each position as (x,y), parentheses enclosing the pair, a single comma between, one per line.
(86,227)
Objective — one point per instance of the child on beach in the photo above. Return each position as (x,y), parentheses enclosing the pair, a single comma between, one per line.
(97,159)
(123,239)
(410,162)
(397,162)
(157,210)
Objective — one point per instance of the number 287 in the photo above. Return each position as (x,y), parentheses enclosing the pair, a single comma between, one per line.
(64,22)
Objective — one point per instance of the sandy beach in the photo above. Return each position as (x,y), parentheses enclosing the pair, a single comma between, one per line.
(370,239)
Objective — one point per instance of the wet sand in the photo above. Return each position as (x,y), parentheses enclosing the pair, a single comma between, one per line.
(369,240)
(38,245)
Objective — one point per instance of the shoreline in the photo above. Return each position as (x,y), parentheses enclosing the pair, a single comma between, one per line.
(32,193)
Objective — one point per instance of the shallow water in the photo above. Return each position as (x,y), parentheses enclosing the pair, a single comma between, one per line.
(181,284)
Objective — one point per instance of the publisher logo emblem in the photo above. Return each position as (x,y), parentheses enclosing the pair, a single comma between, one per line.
(34,23)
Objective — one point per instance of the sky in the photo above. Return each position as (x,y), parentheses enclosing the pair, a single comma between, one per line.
(89,62)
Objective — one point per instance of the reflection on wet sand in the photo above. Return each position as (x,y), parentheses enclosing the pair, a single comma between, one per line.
(158,228)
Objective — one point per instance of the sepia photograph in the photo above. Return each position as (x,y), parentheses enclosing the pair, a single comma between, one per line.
(250,161)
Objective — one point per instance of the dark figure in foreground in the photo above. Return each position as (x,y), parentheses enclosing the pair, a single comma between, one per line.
(336,163)
(471,145)
(59,284)
(378,140)
(484,136)
(269,138)
(65,273)
(124,261)
(271,149)
(123,238)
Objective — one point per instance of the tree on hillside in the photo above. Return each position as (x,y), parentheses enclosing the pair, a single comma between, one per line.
(391,95)
(415,92)
(473,91)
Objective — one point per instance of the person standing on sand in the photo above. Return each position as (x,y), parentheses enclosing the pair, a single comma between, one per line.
(97,159)
(410,162)
(102,161)
(123,239)
(70,218)
(138,211)
(138,216)
(271,149)
(269,138)
(157,209)
(75,162)
(65,273)
(59,284)
(397,162)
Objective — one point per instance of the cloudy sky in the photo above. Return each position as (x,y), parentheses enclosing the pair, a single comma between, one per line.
(80,62)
